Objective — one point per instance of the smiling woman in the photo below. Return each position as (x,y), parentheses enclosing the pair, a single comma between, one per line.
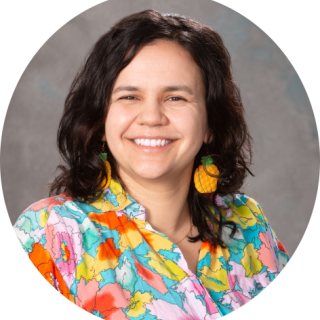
(147,219)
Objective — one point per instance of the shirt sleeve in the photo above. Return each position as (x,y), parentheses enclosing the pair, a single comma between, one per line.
(30,229)
(270,242)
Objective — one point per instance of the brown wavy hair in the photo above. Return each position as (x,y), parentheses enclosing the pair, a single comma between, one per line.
(82,125)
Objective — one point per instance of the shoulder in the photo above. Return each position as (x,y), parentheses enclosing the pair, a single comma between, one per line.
(37,214)
(242,210)
(32,224)
(253,231)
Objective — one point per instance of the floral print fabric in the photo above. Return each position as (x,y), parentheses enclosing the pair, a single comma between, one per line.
(106,258)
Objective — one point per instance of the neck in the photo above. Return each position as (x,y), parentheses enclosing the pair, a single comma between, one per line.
(164,199)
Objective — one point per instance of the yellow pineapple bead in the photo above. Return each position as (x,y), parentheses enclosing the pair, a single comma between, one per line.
(203,182)
(103,156)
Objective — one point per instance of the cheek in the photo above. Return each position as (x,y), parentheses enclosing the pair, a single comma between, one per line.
(191,124)
(118,121)
(111,125)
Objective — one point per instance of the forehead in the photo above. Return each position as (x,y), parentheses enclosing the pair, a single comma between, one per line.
(162,63)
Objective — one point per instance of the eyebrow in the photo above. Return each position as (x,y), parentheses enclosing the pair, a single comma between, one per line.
(164,89)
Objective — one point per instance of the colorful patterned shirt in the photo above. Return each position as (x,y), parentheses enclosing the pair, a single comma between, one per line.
(106,258)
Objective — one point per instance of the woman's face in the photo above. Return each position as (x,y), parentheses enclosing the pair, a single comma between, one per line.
(157,118)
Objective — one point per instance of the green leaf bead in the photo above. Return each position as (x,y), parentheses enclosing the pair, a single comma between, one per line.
(103,156)
(208,161)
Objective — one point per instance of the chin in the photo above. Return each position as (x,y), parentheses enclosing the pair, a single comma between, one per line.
(151,174)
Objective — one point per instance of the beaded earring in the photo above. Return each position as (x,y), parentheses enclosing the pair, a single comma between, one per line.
(204,183)
(103,157)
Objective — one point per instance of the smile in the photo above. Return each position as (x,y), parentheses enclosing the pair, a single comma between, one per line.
(153,149)
(152,142)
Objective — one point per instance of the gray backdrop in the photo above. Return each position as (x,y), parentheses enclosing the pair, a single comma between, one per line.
(278,112)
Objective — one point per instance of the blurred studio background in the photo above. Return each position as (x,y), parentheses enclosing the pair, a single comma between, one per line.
(278,112)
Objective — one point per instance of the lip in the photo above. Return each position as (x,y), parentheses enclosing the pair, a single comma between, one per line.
(153,149)
(153,137)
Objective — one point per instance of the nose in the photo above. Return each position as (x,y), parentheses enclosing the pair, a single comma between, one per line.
(151,113)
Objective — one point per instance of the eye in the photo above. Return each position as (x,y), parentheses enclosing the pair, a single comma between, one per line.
(127,97)
(176,99)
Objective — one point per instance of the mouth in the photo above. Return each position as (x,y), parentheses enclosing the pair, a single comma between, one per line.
(154,149)
(153,143)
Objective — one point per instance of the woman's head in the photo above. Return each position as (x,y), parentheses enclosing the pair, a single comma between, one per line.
(146,44)
(158,97)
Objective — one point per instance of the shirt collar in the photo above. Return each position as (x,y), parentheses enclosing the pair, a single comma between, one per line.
(116,199)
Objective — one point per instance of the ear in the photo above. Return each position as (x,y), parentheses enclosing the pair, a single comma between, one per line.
(104,137)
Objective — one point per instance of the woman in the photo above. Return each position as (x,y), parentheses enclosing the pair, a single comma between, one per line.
(151,222)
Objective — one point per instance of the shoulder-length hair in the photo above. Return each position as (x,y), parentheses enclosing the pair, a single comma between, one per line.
(86,107)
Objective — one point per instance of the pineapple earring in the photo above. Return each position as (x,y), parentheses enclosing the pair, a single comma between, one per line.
(204,183)
(103,156)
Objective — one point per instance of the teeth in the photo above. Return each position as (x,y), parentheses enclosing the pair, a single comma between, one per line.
(152,142)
